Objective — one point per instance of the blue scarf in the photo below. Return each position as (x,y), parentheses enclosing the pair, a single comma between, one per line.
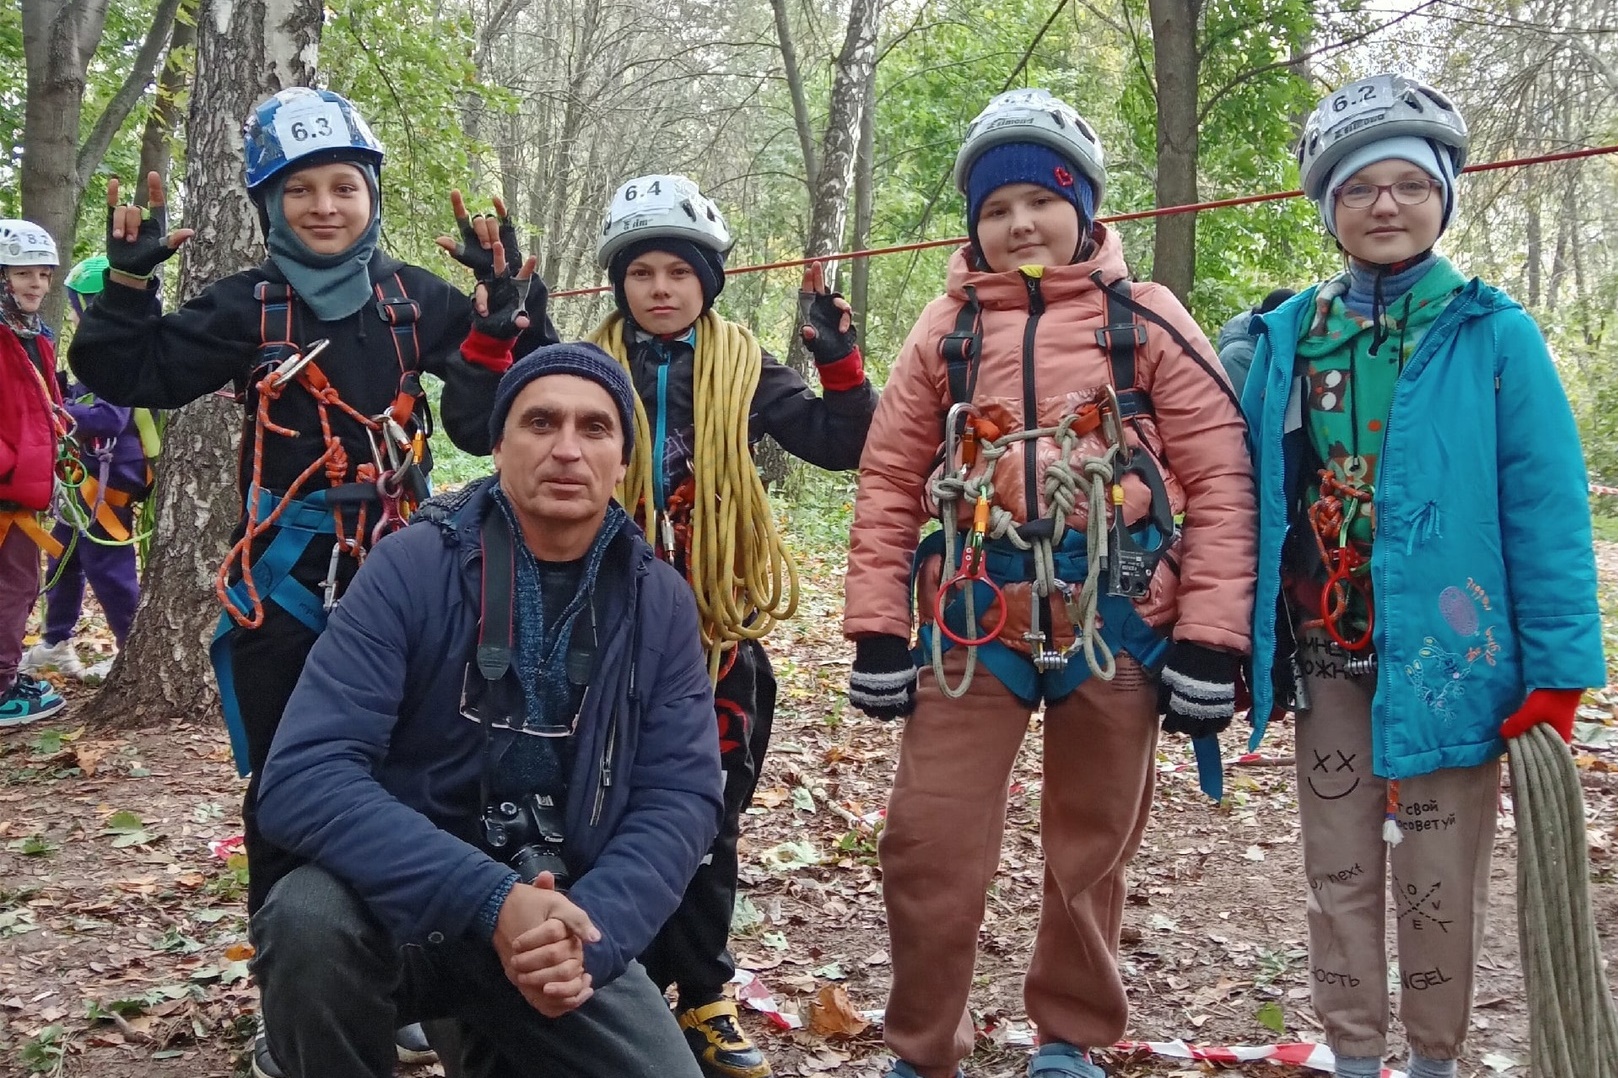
(541,652)
(334,286)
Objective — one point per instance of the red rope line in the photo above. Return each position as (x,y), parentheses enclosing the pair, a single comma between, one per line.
(1139,215)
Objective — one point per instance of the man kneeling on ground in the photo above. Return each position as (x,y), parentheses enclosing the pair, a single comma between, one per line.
(499,812)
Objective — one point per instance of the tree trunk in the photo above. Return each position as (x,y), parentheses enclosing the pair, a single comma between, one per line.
(157,140)
(245,50)
(59,37)
(828,204)
(859,289)
(794,77)
(1176,64)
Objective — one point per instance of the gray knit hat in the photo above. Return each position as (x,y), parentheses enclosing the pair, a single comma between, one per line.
(574,357)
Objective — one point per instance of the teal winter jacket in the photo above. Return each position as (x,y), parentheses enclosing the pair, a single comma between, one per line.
(1482,571)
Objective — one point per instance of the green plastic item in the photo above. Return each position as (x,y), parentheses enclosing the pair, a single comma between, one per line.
(89,277)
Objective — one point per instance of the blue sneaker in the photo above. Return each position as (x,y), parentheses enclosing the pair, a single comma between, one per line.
(1058,1060)
(29,701)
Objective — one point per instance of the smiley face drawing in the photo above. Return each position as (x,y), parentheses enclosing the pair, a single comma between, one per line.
(1327,769)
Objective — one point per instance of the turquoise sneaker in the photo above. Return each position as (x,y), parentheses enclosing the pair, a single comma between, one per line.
(1058,1060)
(29,701)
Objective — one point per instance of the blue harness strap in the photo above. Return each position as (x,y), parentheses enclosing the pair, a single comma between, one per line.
(299,524)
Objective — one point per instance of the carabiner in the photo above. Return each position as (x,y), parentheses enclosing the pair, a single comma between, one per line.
(956,425)
(289,368)
(974,570)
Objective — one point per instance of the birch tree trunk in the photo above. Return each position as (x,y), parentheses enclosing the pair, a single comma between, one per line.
(246,49)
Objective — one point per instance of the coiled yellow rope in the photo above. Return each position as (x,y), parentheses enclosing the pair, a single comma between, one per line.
(744,578)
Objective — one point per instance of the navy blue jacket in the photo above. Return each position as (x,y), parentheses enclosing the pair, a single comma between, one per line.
(374,773)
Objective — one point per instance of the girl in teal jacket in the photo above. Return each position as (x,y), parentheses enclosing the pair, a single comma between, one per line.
(1426,584)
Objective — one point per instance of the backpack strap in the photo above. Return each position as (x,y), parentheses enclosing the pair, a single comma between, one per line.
(1122,337)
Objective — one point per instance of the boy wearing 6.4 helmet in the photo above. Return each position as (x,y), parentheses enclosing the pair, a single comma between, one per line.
(32,426)
(331,335)
(1423,522)
(1082,418)
(707,393)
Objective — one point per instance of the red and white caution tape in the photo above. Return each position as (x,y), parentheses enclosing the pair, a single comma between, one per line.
(1313,1056)
(1249,758)
(1597,488)
(226,848)
(753,992)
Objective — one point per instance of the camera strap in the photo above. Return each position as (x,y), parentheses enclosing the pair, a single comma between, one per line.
(498,588)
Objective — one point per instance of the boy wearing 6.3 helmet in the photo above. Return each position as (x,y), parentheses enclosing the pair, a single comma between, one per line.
(1424,524)
(32,426)
(332,335)
(1094,557)
(707,393)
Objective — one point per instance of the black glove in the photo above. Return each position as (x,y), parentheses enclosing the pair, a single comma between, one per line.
(149,249)
(883,681)
(471,253)
(507,298)
(1197,693)
(830,343)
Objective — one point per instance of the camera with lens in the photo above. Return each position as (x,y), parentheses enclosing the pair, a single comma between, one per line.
(527,834)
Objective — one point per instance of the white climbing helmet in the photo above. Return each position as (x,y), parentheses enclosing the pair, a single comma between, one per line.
(1033,116)
(661,207)
(1372,109)
(23,243)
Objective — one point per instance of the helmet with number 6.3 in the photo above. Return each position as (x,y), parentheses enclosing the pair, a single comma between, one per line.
(661,207)
(305,126)
(1033,116)
(1372,110)
(23,243)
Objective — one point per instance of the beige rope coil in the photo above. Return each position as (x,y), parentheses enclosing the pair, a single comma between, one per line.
(1572,1024)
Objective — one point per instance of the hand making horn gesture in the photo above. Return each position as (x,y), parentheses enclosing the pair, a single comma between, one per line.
(828,326)
(483,237)
(138,241)
(500,304)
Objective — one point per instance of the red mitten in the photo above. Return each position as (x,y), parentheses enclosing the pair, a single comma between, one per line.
(1553,706)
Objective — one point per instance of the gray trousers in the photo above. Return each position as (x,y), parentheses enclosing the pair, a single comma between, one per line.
(1440,875)
(334,987)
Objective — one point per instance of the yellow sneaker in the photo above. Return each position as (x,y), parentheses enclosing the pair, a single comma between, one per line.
(714,1034)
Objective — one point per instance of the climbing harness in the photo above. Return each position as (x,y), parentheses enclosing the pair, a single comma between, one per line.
(1347,610)
(740,569)
(67,471)
(1119,560)
(391,484)
(1572,1023)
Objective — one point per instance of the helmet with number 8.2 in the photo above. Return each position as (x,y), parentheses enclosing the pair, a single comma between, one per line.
(1370,110)
(661,207)
(305,126)
(23,243)
(1033,116)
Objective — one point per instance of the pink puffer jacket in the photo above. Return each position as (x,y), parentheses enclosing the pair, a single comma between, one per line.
(1204,588)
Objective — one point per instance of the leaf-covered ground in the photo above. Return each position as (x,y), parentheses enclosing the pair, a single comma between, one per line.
(122,944)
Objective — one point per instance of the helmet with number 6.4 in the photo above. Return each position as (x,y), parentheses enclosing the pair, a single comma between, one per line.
(1033,116)
(305,126)
(23,243)
(1372,110)
(661,207)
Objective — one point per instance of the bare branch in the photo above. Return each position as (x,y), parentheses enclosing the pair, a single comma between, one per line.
(141,72)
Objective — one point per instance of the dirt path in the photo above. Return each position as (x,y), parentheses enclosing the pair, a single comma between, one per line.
(122,941)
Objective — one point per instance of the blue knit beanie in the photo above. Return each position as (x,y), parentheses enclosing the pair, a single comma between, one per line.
(1027,162)
(708,265)
(574,357)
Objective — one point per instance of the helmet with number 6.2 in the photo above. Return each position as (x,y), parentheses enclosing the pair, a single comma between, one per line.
(23,243)
(305,126)
(1372,110)
(661,207)
(1033,116)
